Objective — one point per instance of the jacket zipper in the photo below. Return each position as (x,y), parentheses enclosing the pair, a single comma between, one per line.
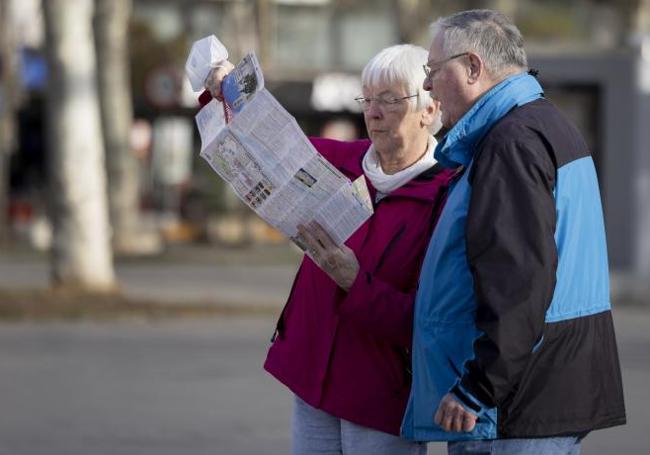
(279,325)
(389,248)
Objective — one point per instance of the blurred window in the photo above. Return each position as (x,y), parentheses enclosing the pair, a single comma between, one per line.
(301,37)
(321,36)
(164,19)
(205,20)
(362,35)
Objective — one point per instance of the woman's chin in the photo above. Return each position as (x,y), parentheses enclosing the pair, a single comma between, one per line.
(379,139)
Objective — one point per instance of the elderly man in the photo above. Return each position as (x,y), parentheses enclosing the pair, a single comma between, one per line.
(514,348)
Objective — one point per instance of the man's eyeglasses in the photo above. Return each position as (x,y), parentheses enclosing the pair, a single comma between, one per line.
(434,67)
(386,102)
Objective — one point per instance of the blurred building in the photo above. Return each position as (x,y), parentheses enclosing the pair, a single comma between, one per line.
(593,57)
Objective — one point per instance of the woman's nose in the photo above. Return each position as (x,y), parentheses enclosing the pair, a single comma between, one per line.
(373,109)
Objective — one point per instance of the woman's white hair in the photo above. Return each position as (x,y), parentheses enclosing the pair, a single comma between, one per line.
(401,66)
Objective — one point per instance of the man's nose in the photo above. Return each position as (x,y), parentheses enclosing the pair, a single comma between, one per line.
(426,85)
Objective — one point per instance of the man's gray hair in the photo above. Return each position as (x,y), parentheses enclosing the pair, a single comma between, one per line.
(401,66)
(488,33)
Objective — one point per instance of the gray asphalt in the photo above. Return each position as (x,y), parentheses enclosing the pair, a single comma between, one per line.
(197,387)
(135,388)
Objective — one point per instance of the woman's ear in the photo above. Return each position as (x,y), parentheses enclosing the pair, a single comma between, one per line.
(430,113)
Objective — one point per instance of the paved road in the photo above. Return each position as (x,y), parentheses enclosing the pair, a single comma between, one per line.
(196,387)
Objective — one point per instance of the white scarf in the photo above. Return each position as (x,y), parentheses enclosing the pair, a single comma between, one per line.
(386,183)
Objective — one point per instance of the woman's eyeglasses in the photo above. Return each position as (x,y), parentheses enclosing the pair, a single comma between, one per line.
(385,102)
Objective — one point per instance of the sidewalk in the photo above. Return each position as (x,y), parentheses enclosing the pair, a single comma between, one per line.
(259,276)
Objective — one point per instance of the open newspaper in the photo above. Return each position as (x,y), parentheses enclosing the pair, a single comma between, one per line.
(272,166)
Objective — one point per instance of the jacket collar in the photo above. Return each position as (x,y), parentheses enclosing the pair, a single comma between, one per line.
(458,145)
(424,187)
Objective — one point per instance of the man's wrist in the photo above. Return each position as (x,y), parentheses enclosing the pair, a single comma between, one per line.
(467,400)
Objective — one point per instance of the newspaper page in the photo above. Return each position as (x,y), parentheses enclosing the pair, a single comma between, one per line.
(272,166)
(210,121)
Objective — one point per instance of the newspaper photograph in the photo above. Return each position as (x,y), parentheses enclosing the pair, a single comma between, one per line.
(243,82)
(273,167)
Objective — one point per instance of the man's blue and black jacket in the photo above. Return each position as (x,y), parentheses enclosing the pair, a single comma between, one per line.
(513,312)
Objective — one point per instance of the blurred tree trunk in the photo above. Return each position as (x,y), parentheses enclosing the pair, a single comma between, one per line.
(8,100)
(507,7)
(643,23)
(264,31)
(81,253)
(111,42)
(636,21)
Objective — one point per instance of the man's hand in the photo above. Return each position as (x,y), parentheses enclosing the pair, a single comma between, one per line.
(216,77)
(339,262)
(452,416)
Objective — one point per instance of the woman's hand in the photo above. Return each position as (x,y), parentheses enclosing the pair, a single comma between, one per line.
(339,262)
(216,77)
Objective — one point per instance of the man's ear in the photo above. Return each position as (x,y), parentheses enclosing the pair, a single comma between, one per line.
(475,68)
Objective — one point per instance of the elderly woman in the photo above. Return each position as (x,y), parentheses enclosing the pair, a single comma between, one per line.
(343,339)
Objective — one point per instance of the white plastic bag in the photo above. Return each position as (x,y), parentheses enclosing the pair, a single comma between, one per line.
(205,54)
